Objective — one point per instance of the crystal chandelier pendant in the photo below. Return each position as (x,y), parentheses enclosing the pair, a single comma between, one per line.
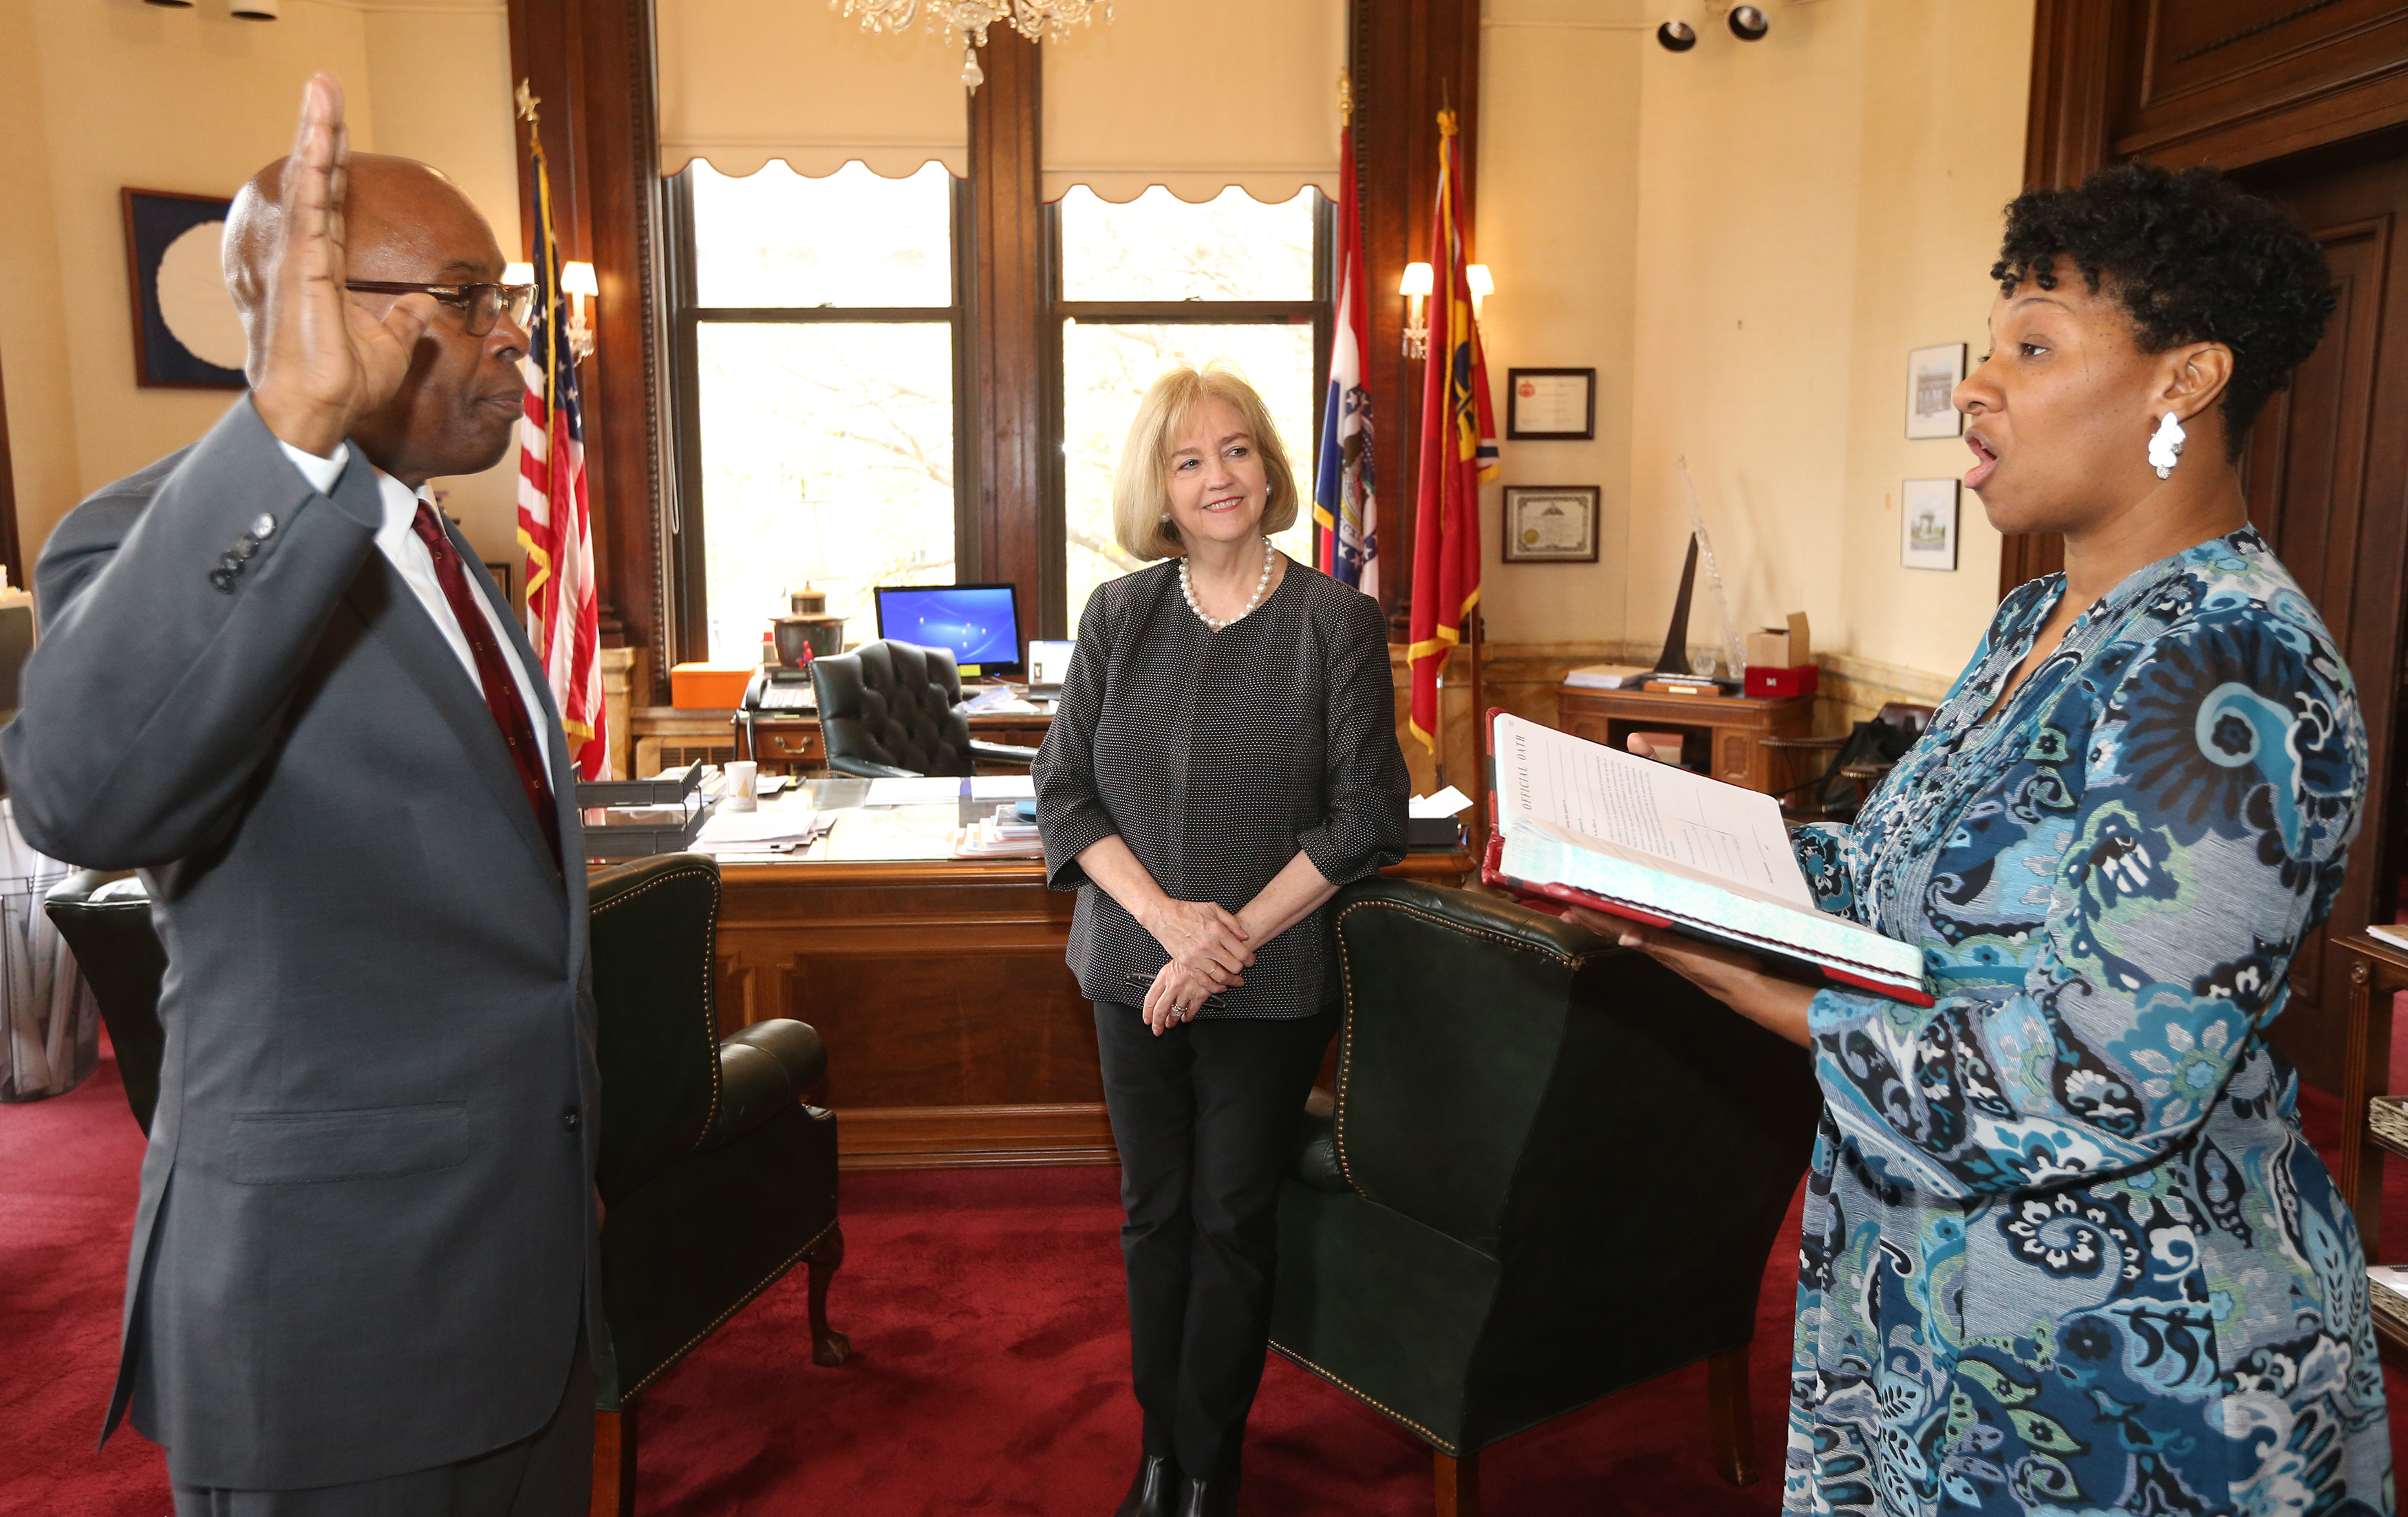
(964,24)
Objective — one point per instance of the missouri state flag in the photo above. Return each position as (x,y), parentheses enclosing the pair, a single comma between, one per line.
(1345,510)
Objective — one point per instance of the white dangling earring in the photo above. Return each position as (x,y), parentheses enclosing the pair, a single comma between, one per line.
(2166,445)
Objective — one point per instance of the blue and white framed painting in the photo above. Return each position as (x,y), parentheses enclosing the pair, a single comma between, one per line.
(186,335)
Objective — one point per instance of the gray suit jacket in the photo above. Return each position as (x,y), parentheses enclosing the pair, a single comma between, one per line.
(365,1229)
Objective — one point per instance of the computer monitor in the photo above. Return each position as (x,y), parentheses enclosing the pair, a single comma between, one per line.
(1049,664)
(978,625)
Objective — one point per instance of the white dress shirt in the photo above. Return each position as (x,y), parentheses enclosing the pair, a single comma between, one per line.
(398,541)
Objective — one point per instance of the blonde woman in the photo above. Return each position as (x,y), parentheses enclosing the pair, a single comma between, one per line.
(1224,757)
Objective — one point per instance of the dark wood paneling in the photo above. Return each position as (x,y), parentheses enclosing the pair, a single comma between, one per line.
(1410,59)
(2328,479)
(1009,534)
(590,63)
(2214,80)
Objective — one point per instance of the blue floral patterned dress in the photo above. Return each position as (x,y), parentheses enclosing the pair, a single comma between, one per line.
(2065,1249)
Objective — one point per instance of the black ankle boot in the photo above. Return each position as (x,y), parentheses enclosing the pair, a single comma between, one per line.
(1154,1493)
(1216,1496)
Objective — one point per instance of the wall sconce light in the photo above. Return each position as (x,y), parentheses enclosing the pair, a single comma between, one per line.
(1415,288)
(1483,286)
(577,283)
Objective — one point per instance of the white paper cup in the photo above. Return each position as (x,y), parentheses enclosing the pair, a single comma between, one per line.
(738,792)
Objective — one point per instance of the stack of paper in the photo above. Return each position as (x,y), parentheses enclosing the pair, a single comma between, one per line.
(1607,677)
(755,832)
(1001,836)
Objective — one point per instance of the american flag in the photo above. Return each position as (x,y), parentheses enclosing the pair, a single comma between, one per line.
(1345,510)
(555,526)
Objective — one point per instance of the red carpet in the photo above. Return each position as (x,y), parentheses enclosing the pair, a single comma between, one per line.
(989,1371)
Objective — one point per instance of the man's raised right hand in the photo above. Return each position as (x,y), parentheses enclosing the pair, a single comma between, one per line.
(327,360)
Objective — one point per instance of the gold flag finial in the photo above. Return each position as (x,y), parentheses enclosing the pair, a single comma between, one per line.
(1446,123)
(527,101)
(1345,99)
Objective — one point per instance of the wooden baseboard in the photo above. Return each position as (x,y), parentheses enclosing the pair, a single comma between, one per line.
(969,1136)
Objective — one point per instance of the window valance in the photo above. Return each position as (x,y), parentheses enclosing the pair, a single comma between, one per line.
(1192,95)
(1196,97)
(742,82)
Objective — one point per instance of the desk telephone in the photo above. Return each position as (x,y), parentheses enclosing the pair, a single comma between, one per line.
(781,690)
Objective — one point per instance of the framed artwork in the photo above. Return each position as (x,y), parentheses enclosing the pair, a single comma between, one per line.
(1928,523)
(1550,404)
(1550,523)
(501,573)
(1932,374)
(186,335)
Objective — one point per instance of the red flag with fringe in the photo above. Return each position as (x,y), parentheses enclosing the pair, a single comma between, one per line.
(1458,451)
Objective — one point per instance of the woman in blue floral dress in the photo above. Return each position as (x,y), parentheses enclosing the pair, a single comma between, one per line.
(2065,1249)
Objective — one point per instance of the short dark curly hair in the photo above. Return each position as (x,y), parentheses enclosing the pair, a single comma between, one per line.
(2192,258)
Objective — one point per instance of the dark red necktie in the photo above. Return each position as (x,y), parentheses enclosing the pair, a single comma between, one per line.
(493,673)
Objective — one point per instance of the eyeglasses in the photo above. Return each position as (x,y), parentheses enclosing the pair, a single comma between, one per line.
(480,305)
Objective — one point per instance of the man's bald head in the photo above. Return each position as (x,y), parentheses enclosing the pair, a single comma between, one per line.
(403,221)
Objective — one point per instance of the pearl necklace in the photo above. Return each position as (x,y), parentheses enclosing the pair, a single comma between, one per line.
(1261,585)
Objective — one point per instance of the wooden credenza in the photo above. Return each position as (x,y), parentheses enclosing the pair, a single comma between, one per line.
(1720,734)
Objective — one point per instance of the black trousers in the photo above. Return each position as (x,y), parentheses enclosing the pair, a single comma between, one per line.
(1206,1116)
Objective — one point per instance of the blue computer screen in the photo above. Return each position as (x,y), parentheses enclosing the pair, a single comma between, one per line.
(978,623)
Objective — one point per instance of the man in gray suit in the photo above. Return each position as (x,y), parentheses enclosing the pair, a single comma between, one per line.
(277,682)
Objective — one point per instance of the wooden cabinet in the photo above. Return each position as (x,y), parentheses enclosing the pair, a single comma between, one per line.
(1719,734)
(793,745)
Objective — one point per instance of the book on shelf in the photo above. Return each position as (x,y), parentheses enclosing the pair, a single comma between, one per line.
(1678,685)
(1579,824)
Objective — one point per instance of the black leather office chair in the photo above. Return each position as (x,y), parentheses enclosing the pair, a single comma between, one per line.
(893,711)
(1553,1169)
(106,919)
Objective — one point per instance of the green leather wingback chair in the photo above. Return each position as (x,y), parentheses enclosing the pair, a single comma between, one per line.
(716,1176)
(1553,1169)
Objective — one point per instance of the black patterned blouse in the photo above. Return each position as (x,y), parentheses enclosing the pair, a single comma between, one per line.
(1216,756)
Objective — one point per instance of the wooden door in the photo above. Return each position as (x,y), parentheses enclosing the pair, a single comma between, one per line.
(2326,475)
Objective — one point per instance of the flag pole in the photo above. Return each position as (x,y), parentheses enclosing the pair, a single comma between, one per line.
(1478,830)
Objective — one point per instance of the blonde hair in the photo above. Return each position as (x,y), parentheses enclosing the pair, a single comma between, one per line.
(1142,488)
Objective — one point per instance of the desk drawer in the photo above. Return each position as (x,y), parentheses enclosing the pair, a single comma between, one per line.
(785,746)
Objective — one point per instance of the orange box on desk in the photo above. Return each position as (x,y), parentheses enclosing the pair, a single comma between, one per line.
(709,687)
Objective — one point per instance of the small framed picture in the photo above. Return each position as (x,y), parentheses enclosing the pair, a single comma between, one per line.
(186,335)
(1928,524)
(1544,405)
(1932,376)
(501,573)
(1550,523)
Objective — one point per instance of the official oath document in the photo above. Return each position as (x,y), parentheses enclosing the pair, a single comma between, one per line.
(1579,824)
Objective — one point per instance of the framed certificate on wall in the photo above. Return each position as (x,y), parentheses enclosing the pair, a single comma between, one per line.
(1550,404)
(1550,523)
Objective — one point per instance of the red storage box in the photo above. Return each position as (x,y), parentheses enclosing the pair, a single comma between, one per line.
(1766,683)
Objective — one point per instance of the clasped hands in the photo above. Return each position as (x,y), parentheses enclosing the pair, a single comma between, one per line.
(1206,944)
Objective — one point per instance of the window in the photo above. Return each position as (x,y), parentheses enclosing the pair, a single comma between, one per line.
(1156,282)
(819,332)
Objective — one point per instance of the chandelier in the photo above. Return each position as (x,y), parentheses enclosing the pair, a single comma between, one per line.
(964,23)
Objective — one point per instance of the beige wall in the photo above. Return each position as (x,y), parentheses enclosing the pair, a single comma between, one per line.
(1745,240)
(97,96)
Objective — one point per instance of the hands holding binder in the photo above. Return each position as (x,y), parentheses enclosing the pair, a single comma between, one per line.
(1735,979)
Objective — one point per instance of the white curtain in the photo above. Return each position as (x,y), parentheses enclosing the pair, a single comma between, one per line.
(1196,95)
(743,81)
(1193,94)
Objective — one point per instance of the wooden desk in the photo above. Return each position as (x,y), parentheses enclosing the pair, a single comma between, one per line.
(955,1034)
(1719,732)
